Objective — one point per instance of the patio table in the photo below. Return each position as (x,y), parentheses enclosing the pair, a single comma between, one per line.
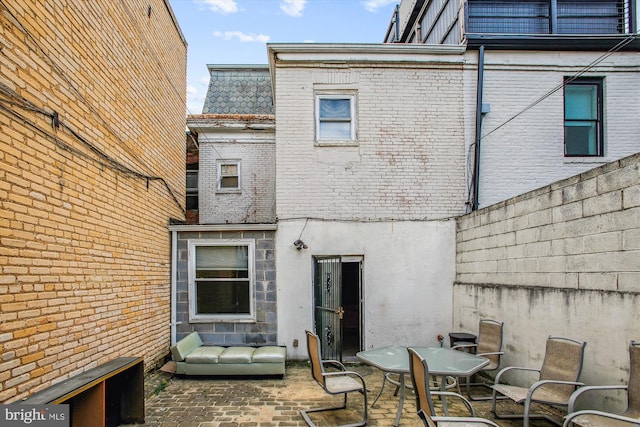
(442,362)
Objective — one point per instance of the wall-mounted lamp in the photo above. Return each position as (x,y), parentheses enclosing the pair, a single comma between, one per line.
(299,244)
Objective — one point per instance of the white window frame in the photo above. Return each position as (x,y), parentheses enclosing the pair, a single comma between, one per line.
(194,317)
(219,187)
(351,96)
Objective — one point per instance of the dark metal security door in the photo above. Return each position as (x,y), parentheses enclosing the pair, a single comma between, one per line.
(328,305)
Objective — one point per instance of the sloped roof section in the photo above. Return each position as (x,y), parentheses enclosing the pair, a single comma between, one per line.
(238,89)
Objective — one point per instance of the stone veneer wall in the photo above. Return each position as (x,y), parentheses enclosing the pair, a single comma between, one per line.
(260,332)
(561,260)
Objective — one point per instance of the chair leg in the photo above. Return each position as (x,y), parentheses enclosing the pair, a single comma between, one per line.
(384,381)
(365,419)
(526,416)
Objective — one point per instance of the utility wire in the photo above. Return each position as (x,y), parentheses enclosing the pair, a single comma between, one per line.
(15,100)
(71,85)
(598,60)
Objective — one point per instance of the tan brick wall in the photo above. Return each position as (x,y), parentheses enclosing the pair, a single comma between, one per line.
(84,246)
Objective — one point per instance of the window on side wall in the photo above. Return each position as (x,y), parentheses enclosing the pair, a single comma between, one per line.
(583,124)
(192,189)
(221,280)
(229,176)
(335,118)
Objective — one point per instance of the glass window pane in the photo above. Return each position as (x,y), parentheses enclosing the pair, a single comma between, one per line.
(218,297)
(222,257)
(192,180)
(192,202)
(229,182)
(580,139)
(335,130)
(580,102)
(335,109)
(227,170)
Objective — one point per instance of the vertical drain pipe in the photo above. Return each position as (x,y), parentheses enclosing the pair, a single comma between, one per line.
(476,156)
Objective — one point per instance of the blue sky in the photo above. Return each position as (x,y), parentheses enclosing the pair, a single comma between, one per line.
(237,31)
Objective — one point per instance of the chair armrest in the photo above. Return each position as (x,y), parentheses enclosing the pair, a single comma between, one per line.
(571,416)
(493,353)
(466,402)
(335,363)
(465,420)
(513,368)
(470,345)
(580,391)
(347,374)
(538,384)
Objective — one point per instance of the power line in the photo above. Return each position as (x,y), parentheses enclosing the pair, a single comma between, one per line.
(598,60)
(104,160)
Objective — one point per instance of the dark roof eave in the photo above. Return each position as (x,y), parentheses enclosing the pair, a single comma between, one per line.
(550,42)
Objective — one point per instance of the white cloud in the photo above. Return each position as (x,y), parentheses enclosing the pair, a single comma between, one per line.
(374,5)
(243,37)
(293,7)
(221,6)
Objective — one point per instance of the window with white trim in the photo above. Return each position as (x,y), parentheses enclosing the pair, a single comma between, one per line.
(221,279)
(229,175)
(335,117)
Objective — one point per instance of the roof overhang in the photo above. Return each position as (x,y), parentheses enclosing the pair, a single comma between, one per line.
(553,42)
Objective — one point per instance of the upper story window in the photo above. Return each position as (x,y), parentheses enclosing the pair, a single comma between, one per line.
(221,279)
(192,189)
(583,124)
(335,118)
(228,175)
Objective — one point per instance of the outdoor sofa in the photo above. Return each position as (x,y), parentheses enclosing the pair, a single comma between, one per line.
(192,357)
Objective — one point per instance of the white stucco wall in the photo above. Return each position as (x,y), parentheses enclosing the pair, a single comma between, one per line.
(408,272)
(528,152)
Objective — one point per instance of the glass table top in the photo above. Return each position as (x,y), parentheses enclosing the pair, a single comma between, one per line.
(441,361)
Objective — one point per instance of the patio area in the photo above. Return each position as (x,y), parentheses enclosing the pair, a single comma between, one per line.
(174,401)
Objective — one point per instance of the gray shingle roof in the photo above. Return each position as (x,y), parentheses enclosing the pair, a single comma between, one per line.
(239,89)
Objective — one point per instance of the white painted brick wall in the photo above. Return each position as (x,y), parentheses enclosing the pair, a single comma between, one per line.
(255,202)
(527,153)
(409,162)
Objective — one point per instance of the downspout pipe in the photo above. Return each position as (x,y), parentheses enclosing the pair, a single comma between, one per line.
(174,276)
(476,154)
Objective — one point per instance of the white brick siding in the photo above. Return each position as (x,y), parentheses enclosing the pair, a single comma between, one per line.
(528,152)
(409,161)
(254,203)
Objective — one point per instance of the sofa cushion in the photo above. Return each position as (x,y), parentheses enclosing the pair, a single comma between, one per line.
(269,354)
(236,355)
(205,354)
(185,346)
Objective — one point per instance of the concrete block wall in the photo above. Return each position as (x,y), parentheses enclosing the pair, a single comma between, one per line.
(562,260)
(408,162)
(84,246)
(262,331)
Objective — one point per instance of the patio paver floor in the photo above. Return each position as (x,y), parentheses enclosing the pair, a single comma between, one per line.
(174,401)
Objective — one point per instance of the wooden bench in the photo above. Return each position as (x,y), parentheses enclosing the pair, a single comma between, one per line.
(107,395)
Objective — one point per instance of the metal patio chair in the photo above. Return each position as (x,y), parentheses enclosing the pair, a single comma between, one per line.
(490,346)
(558,379)
(424,402)
(593,418)
(335,383)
